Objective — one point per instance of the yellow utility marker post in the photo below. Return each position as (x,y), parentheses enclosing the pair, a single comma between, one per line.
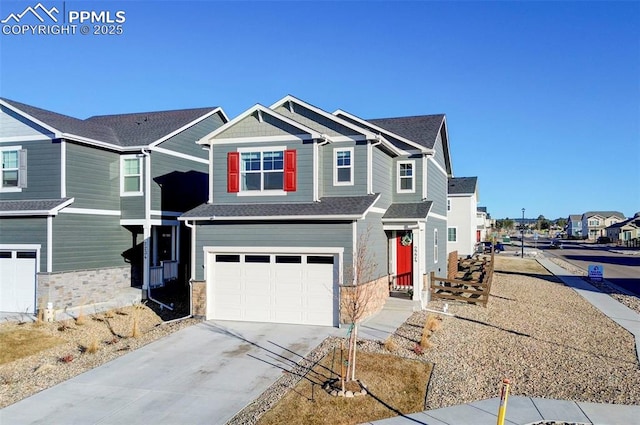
(504,395)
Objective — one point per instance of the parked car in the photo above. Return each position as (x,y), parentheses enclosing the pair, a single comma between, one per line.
(555,244)
(486,247)
(604,239)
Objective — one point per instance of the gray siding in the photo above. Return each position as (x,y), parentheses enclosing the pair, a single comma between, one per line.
(251,127)
(14,230)
(93,177)
(440,268)
(185,142)
(86,242)
(177,184)
(437,181)
(273,234)
(377,246)
(439,156)
(316,121)
(383,181)
(304,192)
(359,161)
(132,207)
(43,171)
(14,125)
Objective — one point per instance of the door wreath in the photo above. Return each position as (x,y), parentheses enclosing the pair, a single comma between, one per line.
(406,239)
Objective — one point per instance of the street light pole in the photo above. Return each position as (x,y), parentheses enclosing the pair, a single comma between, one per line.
(522,233)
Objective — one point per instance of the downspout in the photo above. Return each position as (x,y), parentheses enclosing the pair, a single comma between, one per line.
(193,263)
(147,229)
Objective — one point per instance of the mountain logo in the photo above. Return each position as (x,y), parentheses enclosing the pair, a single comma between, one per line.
(43,11)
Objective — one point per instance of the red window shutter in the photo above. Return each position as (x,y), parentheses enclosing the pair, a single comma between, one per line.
(290,171)
(233,172)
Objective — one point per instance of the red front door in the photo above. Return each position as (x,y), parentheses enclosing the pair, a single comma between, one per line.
(404,259)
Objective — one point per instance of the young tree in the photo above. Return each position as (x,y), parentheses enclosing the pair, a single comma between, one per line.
(358,296)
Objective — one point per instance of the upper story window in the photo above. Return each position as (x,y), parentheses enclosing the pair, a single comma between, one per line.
(452,234)
(130,175)
(343,166)
(594,222)
(449,206)
(14,169)
(268,171)
(406,177)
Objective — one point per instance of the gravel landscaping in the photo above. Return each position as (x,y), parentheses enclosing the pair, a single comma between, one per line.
(540,334)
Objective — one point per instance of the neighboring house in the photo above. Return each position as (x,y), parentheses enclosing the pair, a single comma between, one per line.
(624,232)
(294,189)
(594,223)
(484,224)
(462,215)
(90,207)
(574,226)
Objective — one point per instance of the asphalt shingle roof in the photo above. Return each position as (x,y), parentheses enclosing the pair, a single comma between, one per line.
(462,185)
(125,130)
(417,210)
(328,206)
(421,129)
(30,205)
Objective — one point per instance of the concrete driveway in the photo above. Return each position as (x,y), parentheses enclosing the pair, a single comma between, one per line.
(203,374)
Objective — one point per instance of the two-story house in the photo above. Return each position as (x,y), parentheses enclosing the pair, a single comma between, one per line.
(625,232)
(574,226)
(90,207)
(462,215)
(594,223)
(294,189)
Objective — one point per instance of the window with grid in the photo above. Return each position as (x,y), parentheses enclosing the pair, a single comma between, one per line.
(343,169)
(406,177)
(262,170)
(131,175)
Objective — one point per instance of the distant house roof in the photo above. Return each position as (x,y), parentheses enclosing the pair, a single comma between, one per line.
(346,207)
(33,207)
(408,211)
(604,214)
(121,130)
(482,209)
(422,129)
(575,217)
(462,185)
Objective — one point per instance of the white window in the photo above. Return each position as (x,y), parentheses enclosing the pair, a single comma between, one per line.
(131,175)
(262,170)
(435,245)
(448,204)
(452,234)
(14,169)
(406,177)
(343,166)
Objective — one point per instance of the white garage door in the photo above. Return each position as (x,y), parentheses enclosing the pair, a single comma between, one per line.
(17,281)
(279,288)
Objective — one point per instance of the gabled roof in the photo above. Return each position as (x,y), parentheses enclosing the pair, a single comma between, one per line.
(34,207)
(422,129)
(328,208)
(408,211)
(575,217)
(462,185)
(117,131)
(605,214)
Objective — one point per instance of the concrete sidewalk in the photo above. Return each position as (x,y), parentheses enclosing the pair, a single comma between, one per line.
(527,410)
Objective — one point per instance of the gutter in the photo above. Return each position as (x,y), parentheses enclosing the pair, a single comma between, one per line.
(193,264)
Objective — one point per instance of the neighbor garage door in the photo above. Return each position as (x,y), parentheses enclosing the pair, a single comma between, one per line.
(17,281)
(272,287)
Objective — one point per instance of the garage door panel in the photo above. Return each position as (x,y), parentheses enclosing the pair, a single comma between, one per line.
(282,288)
(17,283)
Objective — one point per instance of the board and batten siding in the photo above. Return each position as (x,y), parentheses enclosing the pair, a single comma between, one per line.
(27,231)
(304,167)
(43,171)
(177,184)
(83,242)
(273,234)
(93,177)
(359,169)
(185,141)
(14,125)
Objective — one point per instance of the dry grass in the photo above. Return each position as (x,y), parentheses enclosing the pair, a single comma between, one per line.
(396,386)
(519,265)
(17,341)
(391,345)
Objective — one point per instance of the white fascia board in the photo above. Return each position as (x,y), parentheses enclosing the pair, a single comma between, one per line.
(179,155)
(459,195)
(262,139)
(371,206)
(209,138)
(91,211)
(276,218)
(186,126)
(53,130)
(18,139)
(438,166)
(288,98)
(403,220)
(420,148)
(438,216)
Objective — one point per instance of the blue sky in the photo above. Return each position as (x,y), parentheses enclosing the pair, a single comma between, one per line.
(542,98)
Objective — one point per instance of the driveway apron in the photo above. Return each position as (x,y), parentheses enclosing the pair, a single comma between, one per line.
(203,374)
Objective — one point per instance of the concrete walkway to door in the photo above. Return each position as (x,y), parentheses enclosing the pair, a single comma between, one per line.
(202,374)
